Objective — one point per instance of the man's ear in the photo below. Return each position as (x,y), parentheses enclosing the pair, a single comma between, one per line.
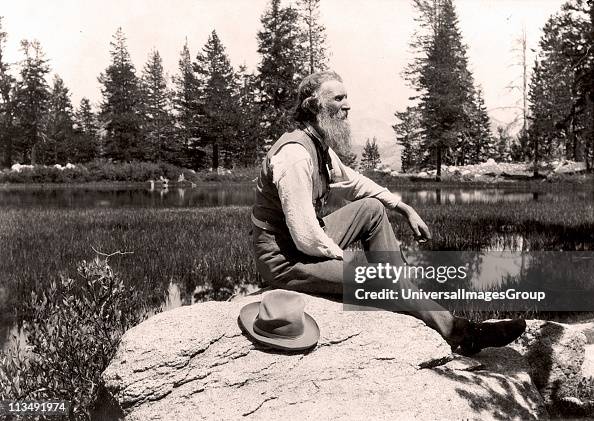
(311,104)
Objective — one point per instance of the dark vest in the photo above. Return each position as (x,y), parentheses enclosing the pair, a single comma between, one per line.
(267,212)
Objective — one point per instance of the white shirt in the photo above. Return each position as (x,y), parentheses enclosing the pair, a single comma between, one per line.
(292,171)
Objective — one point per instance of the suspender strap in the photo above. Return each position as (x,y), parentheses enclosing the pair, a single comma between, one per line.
(324,160)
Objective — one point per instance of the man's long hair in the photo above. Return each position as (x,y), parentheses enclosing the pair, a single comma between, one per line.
(307,101)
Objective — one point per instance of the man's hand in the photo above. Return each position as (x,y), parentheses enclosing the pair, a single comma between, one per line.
(422,233)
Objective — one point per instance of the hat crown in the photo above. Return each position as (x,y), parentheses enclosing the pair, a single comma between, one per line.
(281,315)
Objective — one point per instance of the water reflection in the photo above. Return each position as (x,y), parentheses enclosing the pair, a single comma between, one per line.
(509,241)
(565,278)
(159,196)
(131,196)
(457,196)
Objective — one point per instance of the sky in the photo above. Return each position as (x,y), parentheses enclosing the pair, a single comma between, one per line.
(368,40)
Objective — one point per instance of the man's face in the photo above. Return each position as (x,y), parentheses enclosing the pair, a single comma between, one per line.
(332,116)
(333,97)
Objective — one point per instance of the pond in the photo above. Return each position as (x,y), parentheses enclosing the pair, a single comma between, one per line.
(191,244)
(242,195)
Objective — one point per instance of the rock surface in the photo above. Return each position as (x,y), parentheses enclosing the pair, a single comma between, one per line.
(555,354)
(194,363)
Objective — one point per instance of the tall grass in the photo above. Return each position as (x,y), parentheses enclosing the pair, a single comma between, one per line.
(189,247)
(210,248)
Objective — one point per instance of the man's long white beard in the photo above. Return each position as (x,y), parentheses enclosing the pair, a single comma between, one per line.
(336,130)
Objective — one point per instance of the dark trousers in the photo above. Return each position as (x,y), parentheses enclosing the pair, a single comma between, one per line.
(282,265)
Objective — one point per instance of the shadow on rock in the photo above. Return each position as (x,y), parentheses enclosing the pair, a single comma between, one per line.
(497,386)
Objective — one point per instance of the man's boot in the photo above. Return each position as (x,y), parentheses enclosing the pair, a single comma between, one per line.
(469,337)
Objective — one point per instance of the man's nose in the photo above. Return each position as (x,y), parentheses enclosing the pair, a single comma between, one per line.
(346,105)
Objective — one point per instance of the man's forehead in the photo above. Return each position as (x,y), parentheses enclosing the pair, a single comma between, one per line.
(332,88)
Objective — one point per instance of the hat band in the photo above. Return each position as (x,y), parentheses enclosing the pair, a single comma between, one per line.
(273,335)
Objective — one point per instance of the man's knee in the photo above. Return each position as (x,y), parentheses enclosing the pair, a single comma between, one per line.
(373,209)
(372,205)
(322,278)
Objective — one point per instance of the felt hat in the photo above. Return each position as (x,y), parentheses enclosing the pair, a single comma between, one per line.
(280,322)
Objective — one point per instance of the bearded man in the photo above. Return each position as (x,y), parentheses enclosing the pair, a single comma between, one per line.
(298,249)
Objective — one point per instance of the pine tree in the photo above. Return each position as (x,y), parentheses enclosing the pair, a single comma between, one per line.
(156,107)
(120,110)
(447,84)
(188,108)
(57,149)
(87,145)
(552,110)
(541,132)
(503,145)
(32,100)
(586,77)
(281,67)
(370,157)
(7,103)
(577,39)
(444,84)
(249,130)
(560,108)
(219,95)
(85,118)
(408,134)
(313,35)
(481,144)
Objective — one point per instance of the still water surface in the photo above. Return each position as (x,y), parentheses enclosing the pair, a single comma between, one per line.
(239,195)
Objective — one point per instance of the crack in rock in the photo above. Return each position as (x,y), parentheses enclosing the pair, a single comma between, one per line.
(179,364)
(230,358)
(245,414)
(339,341)
(138,400)
(194,392)
(185,379)
(266,367)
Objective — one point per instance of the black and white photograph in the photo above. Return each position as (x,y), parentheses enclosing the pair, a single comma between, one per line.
(296,210)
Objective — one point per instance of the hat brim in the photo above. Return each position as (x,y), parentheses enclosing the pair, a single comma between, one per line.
(310,337)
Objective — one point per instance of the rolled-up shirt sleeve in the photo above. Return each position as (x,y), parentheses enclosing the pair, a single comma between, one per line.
(351,185)
(292,170)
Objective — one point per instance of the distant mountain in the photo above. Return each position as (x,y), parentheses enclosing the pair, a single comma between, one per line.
(368,128)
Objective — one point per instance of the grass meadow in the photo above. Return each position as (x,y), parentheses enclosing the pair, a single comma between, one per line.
(206,251)
(189,247)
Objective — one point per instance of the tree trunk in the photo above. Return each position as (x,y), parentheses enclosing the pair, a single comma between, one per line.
(535,156)
(589,149)
(215,156)
(589,155)
(8,150)
(26,155)
(573,139)
(438,173)
(312,68)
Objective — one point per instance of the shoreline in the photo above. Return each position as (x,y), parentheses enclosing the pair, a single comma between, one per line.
(113,184)
(581,183)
